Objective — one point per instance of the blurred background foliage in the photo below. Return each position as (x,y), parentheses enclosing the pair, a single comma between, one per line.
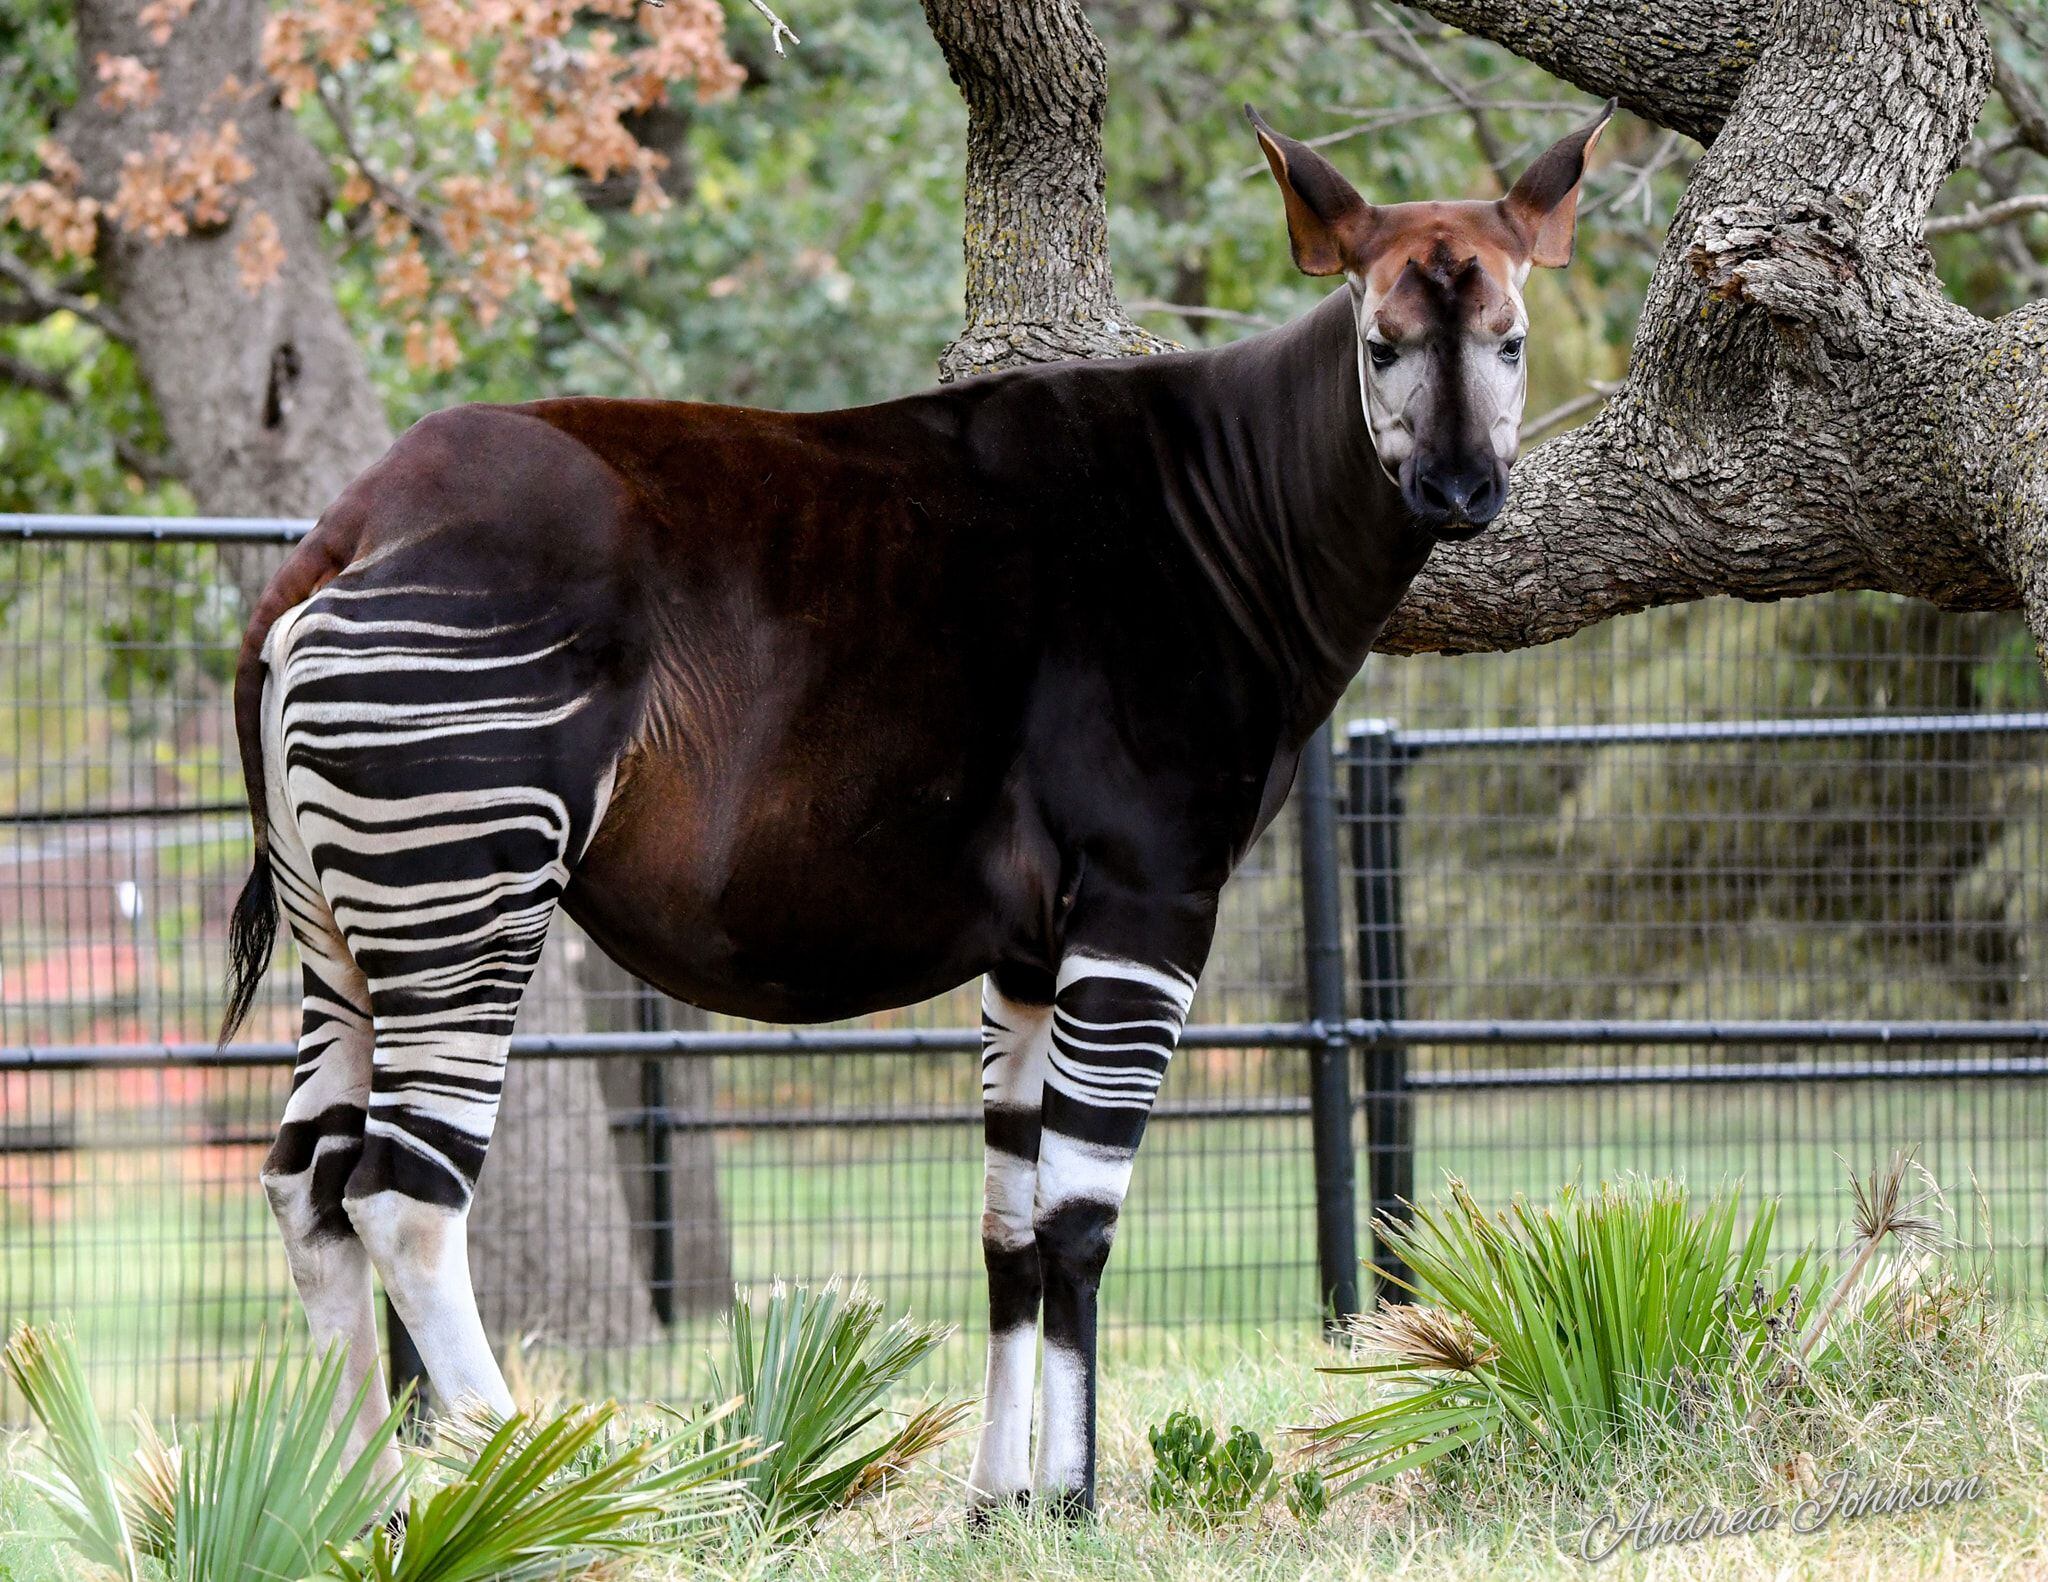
(812,258)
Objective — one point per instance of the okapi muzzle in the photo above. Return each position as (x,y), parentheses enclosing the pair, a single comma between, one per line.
(1436,293)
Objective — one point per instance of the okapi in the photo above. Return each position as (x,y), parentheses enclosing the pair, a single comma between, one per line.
(806,715)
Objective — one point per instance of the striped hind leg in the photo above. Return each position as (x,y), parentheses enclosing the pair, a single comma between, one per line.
(320,1139)
(443,757)
(447,969)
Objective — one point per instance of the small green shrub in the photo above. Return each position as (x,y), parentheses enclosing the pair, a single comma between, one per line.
(1307,1496)
(262,1490)
(1200,1476)
(1607,1320)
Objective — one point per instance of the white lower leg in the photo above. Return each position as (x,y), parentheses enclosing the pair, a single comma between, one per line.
(1015,1036)
(1066,1407)
(332,1274)
(1081,1187)
(1002,1456)
(1002,1459)
(422,1252)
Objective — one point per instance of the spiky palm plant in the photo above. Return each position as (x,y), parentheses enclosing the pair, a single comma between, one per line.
(1567,1327)
(548,1497)
(261,1490)
(264,1491)
(811,1370)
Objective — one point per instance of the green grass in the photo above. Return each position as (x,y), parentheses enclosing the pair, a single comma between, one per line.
(1497,1521)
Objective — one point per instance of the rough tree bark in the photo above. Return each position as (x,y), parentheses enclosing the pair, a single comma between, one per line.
(270,410)
(1805,408)
(1037,240)
(265,398)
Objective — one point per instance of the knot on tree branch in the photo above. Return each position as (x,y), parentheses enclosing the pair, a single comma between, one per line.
(1800,261)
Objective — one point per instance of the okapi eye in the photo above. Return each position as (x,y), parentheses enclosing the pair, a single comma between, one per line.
(1511,349)
(1383,355)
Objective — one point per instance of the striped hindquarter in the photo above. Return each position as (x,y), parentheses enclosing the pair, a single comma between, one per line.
(433,763)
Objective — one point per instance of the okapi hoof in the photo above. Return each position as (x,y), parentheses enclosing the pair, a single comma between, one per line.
(985,1511)
(1074,1507)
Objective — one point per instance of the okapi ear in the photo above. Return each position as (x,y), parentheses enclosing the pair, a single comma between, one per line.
(1544,205)
(1321,204)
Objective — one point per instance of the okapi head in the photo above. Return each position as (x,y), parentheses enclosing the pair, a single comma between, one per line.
(1436,290)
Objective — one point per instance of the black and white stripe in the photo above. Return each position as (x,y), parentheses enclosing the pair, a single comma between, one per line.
(414,725)
(429,779)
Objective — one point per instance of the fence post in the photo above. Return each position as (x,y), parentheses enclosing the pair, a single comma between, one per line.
(651,1015)
(1329,1063)
(1377,763)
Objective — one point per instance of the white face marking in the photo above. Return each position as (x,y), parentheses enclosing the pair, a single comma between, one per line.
(1397,394)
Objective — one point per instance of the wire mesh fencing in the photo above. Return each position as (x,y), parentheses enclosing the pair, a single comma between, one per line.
(1722,891)
(1732,891)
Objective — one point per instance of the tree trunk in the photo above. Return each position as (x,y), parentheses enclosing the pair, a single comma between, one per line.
(264,396)
(551,1232)
(270,410)
(1037,243)
(1805,409)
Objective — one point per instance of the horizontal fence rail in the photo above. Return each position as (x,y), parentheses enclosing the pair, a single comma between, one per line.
(964,1040)
(1531,919)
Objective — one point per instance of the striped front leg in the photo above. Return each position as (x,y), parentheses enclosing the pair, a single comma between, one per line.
(1016,1030)
(1115,1023)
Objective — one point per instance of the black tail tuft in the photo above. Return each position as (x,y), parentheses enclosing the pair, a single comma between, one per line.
(252,932)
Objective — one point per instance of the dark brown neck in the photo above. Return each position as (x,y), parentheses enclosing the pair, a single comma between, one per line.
(1281,497)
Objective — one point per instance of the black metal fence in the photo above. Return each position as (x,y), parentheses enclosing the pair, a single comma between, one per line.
(1721,891)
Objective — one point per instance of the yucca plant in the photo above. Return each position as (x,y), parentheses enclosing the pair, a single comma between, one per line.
(548,1497)
(86,1487)
(1566,1328)
(260,1491)
(811,1370)
(263,1491)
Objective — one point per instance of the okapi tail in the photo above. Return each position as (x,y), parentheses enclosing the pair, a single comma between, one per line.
(252,930)
(252,935)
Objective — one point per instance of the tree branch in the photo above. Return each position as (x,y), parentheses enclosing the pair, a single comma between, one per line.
(53,384)
(1975,219)
(1805,409)
(334,104)
(778,29)
(1189,310)
(2029,115)
(47,299)
(1401,44)
(1536,427)
(1678,63)
(1037,236)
